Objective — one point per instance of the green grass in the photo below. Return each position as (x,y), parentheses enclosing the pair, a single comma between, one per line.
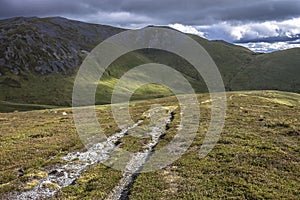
(257,156)
(15,107)
(54,89)
(93,184)
(241,69)
(34,140)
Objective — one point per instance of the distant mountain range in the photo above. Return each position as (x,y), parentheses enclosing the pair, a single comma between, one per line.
(39,58)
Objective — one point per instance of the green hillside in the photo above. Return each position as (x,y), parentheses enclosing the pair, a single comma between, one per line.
(39,58)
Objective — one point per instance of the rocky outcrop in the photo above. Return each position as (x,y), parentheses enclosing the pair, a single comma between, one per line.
(47,45)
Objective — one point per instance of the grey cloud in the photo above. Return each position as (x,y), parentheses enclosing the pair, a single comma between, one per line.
(230,20)
(200,12)
(294,42)
(290,40)
(196,12)
(263,11)
(190,12)
(14,8)
(269,31)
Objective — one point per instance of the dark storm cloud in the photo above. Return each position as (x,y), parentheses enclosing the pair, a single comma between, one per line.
(197,12)
(12,8)
(258,23)
(290,40)
(189,12)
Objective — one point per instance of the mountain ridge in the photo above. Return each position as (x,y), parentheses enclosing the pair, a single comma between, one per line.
(39,58)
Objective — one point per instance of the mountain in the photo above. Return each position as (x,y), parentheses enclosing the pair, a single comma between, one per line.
(39,58)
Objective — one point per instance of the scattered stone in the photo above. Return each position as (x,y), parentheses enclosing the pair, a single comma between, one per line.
(67,174)
(138,160)
(47,185)
(64,114)
(85,52)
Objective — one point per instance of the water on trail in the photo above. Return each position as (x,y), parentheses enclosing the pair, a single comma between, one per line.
(138,160)
(78,162)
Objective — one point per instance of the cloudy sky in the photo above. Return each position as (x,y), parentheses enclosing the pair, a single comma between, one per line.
(262,25)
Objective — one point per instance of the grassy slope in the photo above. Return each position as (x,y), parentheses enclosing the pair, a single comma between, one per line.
(278,70)
(256,157)
(49,90)
(13,107)
(241,69)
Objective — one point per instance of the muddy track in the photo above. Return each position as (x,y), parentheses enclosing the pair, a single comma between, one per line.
(64,175)
(138,160)
(78,162)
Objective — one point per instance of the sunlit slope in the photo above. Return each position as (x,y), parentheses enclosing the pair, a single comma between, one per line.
(39,59)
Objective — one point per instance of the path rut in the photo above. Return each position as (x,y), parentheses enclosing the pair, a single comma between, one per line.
(78,162)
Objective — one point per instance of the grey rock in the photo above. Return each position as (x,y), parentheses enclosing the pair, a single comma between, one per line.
(56,44)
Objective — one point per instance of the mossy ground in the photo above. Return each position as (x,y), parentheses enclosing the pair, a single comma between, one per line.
(257,156)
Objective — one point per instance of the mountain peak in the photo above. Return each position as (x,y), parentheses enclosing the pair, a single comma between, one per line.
(50,50)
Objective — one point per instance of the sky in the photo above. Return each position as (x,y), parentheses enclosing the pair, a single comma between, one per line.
(261,25)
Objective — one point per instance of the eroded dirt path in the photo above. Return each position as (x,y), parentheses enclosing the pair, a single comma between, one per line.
(138,160)
(78,162)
